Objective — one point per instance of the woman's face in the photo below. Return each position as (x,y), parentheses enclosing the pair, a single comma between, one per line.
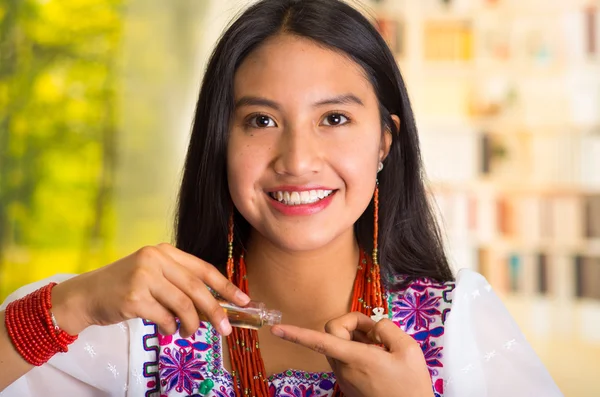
(305,143)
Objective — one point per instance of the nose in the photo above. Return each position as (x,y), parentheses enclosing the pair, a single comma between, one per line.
(299,153)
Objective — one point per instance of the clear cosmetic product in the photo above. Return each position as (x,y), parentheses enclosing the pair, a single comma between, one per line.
(252,316)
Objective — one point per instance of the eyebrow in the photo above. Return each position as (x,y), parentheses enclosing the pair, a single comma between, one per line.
(345,99)
(256,101)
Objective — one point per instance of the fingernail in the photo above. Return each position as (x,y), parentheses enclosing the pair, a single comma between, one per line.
(239,295)
(225,327)
(277,332)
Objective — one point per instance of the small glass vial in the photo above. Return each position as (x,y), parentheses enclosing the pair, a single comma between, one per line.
(252,316)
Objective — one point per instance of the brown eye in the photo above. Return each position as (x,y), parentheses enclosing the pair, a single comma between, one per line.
(261,121)
(335,119)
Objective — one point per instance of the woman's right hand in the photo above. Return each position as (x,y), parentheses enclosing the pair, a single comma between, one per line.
(157,283)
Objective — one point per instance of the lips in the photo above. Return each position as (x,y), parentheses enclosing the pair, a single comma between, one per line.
(300,200)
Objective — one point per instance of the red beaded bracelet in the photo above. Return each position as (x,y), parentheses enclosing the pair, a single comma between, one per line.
(34,334)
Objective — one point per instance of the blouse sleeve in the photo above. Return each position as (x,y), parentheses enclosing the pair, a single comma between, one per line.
(486,355)
(95,365)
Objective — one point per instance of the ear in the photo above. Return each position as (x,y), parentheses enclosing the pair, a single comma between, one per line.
(386,142)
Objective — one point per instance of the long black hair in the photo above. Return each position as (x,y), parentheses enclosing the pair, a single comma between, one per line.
(410,242)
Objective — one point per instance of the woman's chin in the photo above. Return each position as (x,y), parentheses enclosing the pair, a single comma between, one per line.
(304,240)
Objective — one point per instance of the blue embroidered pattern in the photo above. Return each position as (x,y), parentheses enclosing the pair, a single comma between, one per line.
(150,370)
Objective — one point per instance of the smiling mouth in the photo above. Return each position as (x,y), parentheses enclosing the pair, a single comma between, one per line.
(300,198)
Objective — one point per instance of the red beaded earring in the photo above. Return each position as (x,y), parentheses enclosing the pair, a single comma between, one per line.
(375,255)
(375,223)
(230,263)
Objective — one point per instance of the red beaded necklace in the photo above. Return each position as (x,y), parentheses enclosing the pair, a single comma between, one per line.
(248,367)
(246,362)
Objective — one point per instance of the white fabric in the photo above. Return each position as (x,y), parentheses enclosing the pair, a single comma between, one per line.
(485,354)
(97,364)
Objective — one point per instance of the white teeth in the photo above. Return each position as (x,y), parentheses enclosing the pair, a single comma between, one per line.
(303,197)
(295,198)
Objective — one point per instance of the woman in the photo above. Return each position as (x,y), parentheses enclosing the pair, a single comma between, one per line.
(302,184)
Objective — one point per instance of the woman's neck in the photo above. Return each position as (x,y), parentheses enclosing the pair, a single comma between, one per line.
(310,288)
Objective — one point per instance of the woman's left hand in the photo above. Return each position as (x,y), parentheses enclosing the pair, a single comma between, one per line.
(362,367)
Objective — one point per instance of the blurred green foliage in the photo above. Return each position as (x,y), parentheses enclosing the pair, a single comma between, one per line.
(58,62)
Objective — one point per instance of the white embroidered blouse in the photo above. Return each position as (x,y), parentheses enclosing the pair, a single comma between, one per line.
(472,347)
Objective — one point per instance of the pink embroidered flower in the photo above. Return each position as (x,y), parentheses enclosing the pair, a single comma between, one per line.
(179,369)
(415,310)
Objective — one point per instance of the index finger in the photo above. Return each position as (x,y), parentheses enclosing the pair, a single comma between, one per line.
(331,346)
(208,274)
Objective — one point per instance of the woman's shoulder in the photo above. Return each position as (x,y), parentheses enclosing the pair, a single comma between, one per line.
(420,307)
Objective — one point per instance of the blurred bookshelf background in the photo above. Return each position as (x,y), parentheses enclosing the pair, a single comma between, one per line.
(507,100)
(96,99)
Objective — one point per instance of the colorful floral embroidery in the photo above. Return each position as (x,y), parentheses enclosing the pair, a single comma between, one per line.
(432,351)
(416,310)
(432,354)
(191,342)
(301,391)
(179,370)
(420,309)
(287,383)
(223,392)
